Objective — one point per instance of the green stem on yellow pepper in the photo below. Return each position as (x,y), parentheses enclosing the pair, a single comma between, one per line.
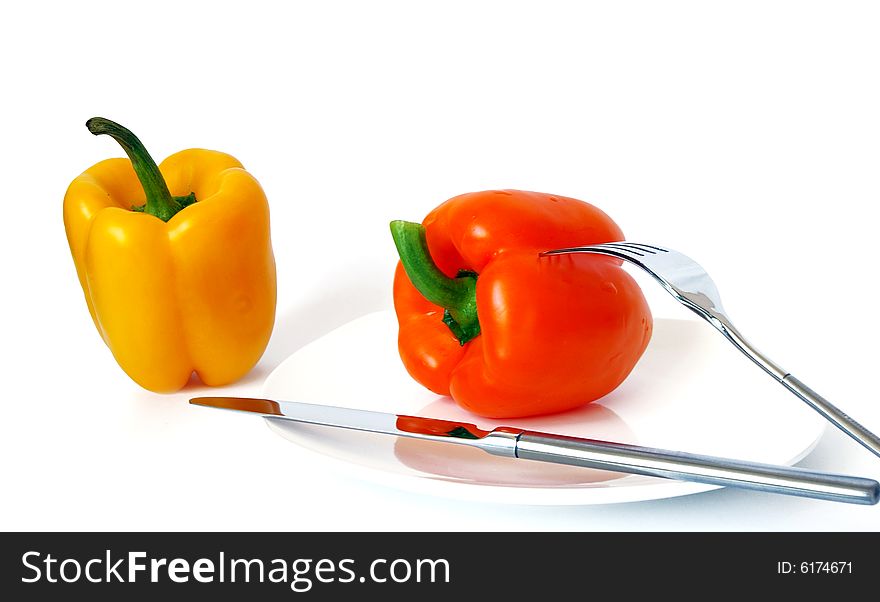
(457,296)
(160,203)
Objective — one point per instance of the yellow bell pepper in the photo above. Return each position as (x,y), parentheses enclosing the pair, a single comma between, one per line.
(175,284)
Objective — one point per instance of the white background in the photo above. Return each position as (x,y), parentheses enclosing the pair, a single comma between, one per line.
(746,134)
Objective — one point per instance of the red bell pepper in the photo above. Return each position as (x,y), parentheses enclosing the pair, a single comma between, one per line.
(503,331)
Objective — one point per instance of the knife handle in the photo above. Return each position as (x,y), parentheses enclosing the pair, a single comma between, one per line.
(619,457)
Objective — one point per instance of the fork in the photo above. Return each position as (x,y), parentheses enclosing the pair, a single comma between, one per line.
(691,286)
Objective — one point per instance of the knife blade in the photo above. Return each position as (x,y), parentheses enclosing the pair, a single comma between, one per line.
(575,451)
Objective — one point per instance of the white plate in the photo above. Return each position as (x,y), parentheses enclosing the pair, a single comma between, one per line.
(691,392)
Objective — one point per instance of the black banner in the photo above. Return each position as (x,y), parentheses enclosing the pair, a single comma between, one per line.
(317,566)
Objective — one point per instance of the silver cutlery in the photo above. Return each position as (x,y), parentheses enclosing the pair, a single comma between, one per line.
(559,449)
(689,283)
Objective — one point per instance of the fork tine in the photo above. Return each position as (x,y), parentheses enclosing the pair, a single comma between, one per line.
(607,248)
(631,251)
(629,248)
(622,248)
(650,249)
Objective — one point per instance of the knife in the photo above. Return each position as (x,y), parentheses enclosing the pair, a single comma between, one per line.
(575,451)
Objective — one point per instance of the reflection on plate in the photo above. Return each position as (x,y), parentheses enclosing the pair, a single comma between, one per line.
(690,392)
(471,465)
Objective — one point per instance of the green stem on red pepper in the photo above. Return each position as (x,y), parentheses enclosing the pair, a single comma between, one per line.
(160,203)
(457,296)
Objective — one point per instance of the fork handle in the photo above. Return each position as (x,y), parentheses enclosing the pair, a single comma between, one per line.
(833,414)
(828,410)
